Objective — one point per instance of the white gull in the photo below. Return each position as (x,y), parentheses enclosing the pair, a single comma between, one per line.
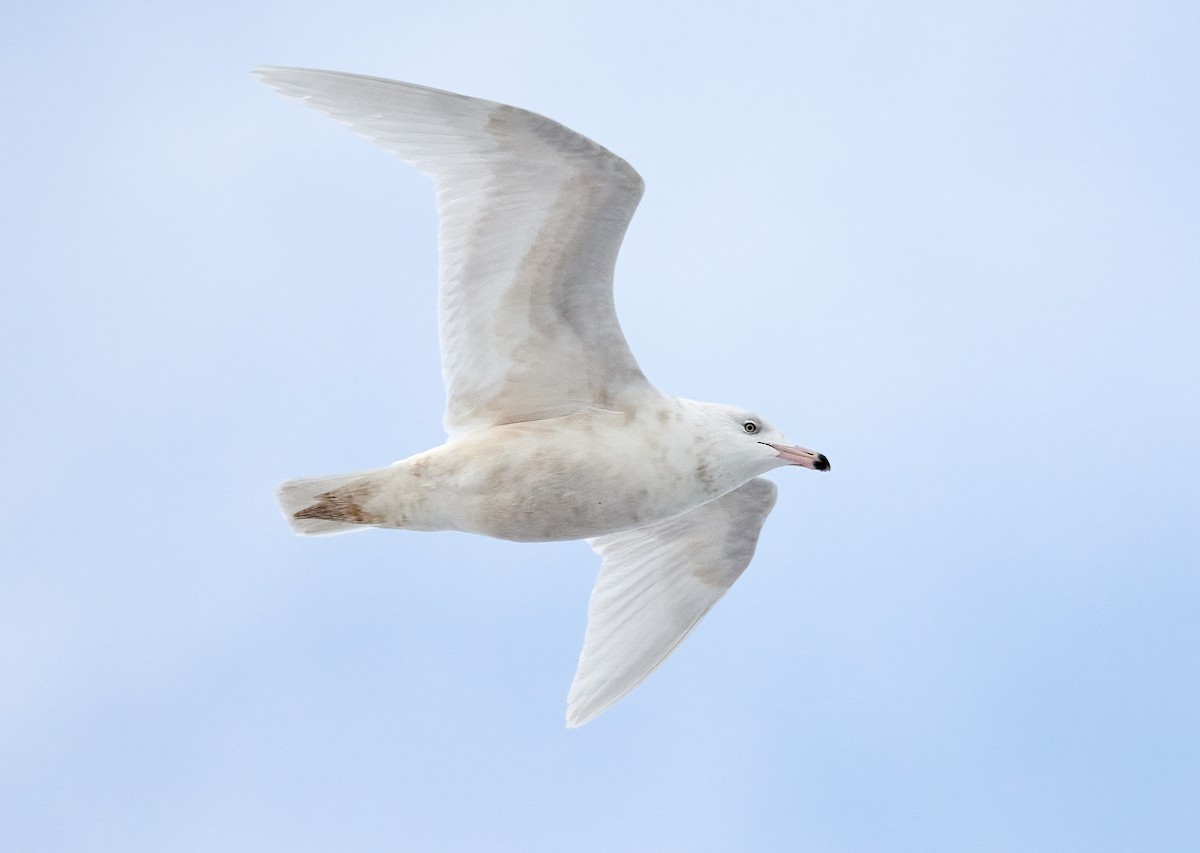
(553,431)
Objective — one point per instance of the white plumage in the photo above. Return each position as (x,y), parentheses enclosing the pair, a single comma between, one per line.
(553,431)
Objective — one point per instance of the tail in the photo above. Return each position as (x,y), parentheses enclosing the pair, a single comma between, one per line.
(317,506)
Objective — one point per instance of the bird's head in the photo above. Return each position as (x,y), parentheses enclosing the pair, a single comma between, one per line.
(747,439)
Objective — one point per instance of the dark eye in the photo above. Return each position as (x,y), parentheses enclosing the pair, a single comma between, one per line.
(750,427)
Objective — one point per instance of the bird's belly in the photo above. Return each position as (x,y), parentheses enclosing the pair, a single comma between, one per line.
(565,484)
(552,509)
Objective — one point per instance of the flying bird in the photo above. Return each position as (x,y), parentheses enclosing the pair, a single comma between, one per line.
(553,432)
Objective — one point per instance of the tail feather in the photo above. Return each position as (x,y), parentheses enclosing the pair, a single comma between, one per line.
(318,506)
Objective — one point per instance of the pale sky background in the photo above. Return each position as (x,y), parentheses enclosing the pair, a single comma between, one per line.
(955,246)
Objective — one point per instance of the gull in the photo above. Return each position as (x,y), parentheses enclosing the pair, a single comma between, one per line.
(553,432)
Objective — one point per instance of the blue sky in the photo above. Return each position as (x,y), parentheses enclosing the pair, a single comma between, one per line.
(953,246)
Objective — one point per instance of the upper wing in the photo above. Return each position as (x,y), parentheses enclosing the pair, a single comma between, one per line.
(532,216)
(656,583)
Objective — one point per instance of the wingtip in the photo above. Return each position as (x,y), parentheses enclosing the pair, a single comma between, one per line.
(576,717)
(270,75)
(283,77)
(583,708)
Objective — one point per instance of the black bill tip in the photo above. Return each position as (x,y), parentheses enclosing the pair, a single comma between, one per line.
(822,463)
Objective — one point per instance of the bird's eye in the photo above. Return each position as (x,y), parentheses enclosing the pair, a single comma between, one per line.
(750,427)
